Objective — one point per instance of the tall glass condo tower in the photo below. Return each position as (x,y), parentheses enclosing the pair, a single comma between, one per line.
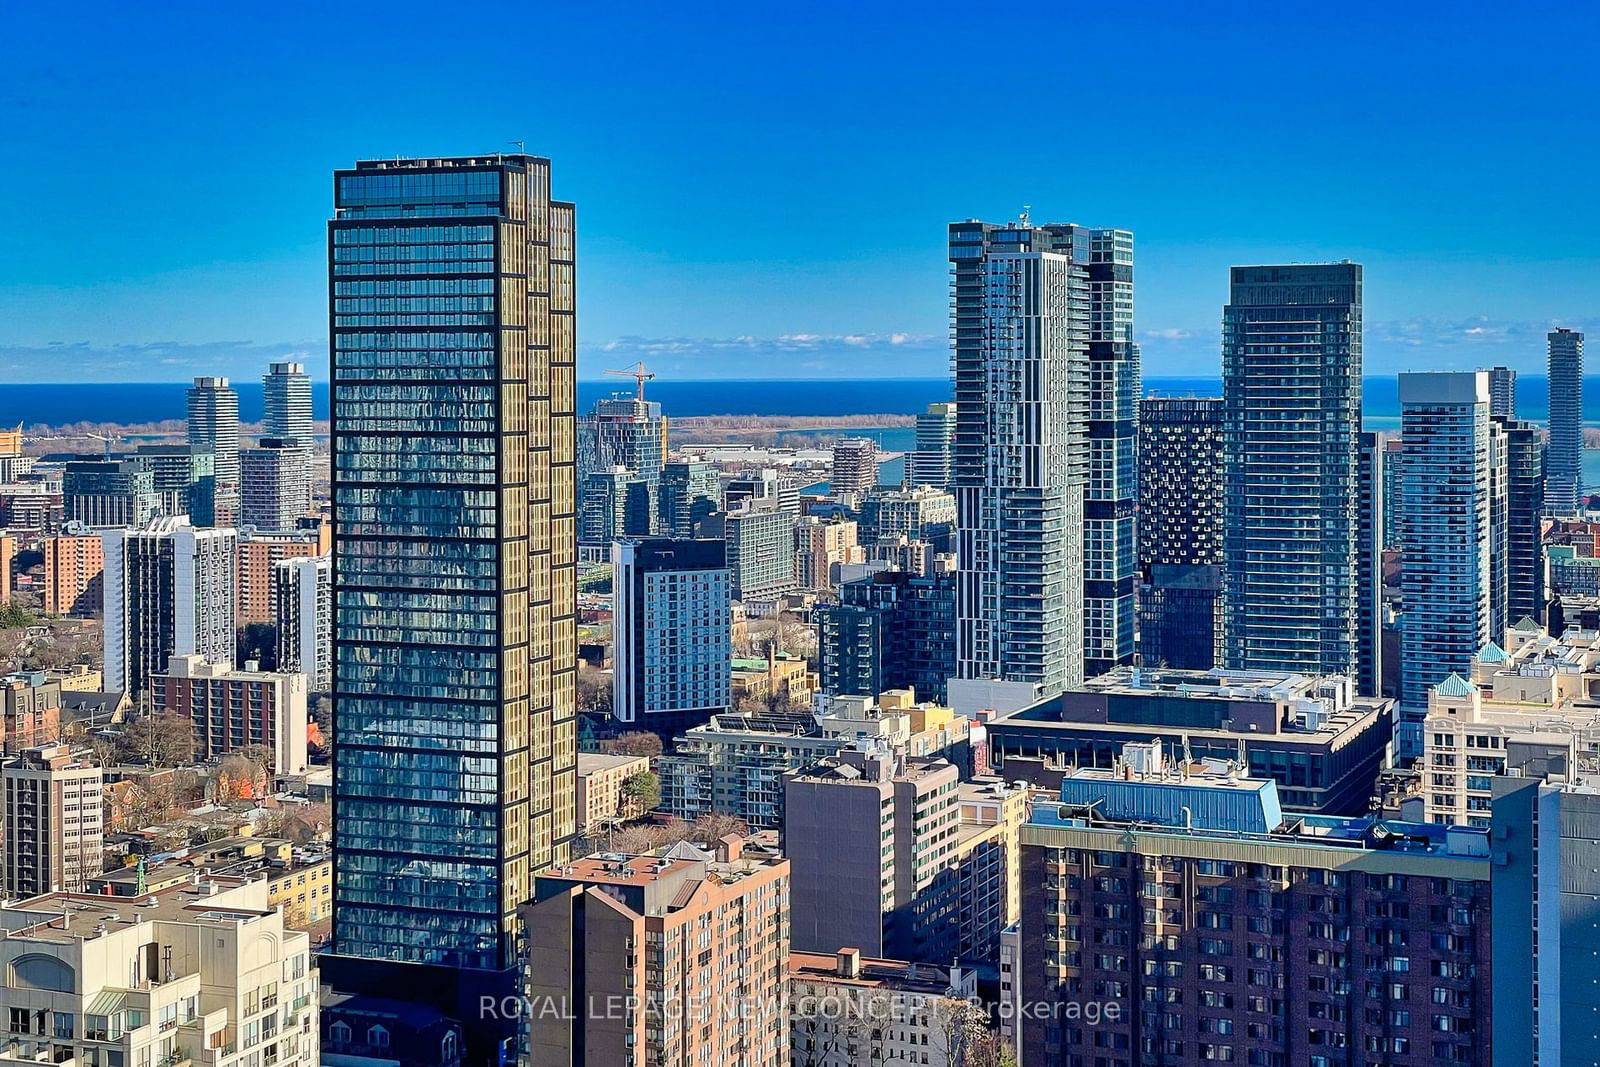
(451,287)
(1291,382)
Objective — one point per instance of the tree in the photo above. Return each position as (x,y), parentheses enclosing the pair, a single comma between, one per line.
(713,827)
(642,790)
(164,740)
(594,690)
(634,743)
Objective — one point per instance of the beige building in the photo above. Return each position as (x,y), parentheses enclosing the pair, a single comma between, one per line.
(199,974)
(988,862)
(74,566)
(52,814)
(600,778)
(299,880)
(818,545)
(644,960)
(1536,690)
(847,1010)
(8,555)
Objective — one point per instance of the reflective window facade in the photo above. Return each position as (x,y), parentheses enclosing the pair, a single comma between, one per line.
(451,296)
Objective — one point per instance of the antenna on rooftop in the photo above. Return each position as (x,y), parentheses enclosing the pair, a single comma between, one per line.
(522,147)
(1027,213)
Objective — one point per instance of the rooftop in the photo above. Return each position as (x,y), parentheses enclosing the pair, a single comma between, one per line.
(66,917)
(589,762)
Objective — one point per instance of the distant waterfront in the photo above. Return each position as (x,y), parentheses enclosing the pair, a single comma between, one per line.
(144,402)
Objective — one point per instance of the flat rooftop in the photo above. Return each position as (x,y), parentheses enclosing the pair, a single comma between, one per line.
(897,975)
(68,917)
(589,762)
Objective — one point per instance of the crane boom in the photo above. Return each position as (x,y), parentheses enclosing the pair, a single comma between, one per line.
(639,373)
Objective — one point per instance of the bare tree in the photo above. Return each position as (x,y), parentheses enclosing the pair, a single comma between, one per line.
(163,740)
(633,743)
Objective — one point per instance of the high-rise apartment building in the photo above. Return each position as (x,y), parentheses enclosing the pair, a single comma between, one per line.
(921,513)
(624,439)
(1207,928)
(930,463)
(302,600)
(1369,564)
(690,491)
(184,479)
(1503,392)
(1564,455)
(111,492)
(169,591)
(872,838)
(676,940)
(274,484)
(1291,374)
(51,810)
(855,466)
(255,589)
(889,630)
(234,709)
(214,428)
(760,540)
(1180,531)
(1020,318)
(1446,535)
(1391,492)
(672,606)
(1525,480)
(286,399)
(820,545)
(454,575)
(73,567)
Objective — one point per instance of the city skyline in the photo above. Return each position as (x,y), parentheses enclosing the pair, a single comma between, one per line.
(188,219)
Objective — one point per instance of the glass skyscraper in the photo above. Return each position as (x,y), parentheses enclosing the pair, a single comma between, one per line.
(452,287)
(1563,486)
(1291,372)
(1020,367)
(1180,531)
(214,428)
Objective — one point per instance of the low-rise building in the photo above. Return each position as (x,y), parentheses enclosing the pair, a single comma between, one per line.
(299,880)
(782,677)
(735,764)
(1322,744)
(233,709)
(847,1010)
(640,959)
(31,705)
(600,780)
(203,974)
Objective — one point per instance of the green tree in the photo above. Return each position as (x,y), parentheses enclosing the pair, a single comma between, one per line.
(643,791)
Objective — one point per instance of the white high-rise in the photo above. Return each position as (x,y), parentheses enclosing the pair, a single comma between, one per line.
(1447,530)
(286,397)
(1020,330)
(169,591)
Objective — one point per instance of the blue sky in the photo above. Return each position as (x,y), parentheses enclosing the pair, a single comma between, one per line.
(762,189)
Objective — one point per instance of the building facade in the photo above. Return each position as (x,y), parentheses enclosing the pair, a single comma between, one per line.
(286,403)
(235,709)
(113,492)
(930,464)
(260,551)
(1019,321)
(890,630)
(1503,392)
(454,574)
(53,816)
(214,428)
(855,466)
(1291,375)
(1564,454)
(672,610)
(675,940)
(760,547)
(274,484)
(74,565)
(169,591)
(821,545)
(1180,531)
(1369,564)
(1447,535)
(690,491)
(1525,564)
(303,613)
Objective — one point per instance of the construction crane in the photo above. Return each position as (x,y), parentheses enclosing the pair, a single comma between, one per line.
(639,373)
(109,441)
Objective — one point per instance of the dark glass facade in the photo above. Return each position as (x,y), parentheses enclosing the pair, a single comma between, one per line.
(1180,531)
(451,289)
(1291,374)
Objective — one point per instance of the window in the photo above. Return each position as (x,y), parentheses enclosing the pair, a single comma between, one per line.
(378,1037)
